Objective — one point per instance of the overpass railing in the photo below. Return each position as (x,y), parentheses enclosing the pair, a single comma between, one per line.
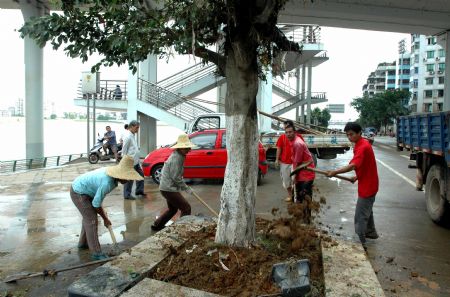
(36,163)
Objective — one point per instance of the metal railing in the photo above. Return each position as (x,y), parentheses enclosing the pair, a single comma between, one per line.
(107,91)
(309,34)
(45,162)
(187,76)
(284,87)
(315,96)
(169,101)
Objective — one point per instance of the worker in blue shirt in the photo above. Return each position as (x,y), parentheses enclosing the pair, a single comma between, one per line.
(87,193)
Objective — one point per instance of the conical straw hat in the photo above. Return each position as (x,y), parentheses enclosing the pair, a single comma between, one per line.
(124,170)
(183,142)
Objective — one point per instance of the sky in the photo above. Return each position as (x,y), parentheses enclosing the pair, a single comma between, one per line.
(353,54)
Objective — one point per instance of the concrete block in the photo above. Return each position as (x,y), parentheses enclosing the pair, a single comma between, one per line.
(154,288)
(133,266)
(347,271)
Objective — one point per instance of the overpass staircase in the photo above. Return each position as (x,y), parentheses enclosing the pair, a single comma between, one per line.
(153,100)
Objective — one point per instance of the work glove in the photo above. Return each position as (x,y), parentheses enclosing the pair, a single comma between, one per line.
(189,190)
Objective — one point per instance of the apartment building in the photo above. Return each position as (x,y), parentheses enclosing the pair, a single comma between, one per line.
(427,74)
(385,77)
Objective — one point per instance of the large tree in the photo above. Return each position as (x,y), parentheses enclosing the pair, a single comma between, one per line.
(128,31)
(382,108)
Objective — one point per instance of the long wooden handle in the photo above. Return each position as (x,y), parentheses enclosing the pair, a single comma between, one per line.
(325,173)
(14,278)
(113,237)
(205,204)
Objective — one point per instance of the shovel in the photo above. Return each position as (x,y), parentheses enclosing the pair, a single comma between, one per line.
(116,248)
(205,204)
(304,166)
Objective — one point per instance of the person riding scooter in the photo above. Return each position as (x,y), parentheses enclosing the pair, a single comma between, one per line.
(98,152)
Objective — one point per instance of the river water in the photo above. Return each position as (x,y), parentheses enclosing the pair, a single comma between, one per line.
(64,136)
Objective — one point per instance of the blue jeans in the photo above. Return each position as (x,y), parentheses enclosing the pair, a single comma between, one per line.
(139,184)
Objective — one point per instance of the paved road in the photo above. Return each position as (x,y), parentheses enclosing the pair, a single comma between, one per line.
(39,225)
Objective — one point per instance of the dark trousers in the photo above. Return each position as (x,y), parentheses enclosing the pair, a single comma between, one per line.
(303,189)
(175,202)
(303,194)
(364,222)
(89,226)
(139,184)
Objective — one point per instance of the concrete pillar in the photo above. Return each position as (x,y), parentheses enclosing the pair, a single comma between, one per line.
(34,106)
(147,134)
(132,96)
(221,95)
(297,90)
(308,99)
(148,69)
(264,102)
(302,97)
(446,106)
(302,114)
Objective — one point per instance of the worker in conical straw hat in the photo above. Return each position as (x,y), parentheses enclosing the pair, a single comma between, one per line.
(172,183)
(87,193)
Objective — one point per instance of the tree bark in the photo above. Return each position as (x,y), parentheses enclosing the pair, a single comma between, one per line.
(236,224)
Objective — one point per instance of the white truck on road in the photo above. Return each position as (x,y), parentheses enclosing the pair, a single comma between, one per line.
(323,145)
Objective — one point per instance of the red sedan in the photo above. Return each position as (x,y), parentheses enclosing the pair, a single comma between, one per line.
(207,161)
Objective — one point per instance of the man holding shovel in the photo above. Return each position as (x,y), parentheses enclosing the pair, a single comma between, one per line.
(303,179)
(87,193)
(365,166)
(172,183)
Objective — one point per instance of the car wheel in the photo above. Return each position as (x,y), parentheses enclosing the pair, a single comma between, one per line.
(156,173)
(260,177)
(93,158)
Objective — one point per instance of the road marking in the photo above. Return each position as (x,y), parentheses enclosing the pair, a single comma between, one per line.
(385,146)
(397,173)
(407,157)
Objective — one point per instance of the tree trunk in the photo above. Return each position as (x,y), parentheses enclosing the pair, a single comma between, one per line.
(236,225)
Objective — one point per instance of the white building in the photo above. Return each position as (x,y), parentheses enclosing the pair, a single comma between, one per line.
(427,74)
(382,79)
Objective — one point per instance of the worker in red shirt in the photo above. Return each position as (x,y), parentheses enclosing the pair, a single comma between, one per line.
(284,161)
(304,179)
(365,166)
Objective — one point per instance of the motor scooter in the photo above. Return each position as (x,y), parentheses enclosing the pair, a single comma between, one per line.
(97,152)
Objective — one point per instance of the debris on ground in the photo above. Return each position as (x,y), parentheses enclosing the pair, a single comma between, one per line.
(247,271)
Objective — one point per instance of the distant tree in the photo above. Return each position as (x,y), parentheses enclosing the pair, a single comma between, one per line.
(70,115)
(53,116)
(102,117)
(382,109)
(250,44)
(321,117)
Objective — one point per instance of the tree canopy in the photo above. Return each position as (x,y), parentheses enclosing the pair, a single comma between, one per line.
(321,117)
(382,109)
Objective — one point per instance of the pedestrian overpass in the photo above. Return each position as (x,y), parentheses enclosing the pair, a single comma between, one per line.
(431,17)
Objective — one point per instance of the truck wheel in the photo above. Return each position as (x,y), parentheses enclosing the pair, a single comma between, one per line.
(437,206)
(93,158)
(156,173)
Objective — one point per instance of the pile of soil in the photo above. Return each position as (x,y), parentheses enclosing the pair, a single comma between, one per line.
(202,264)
